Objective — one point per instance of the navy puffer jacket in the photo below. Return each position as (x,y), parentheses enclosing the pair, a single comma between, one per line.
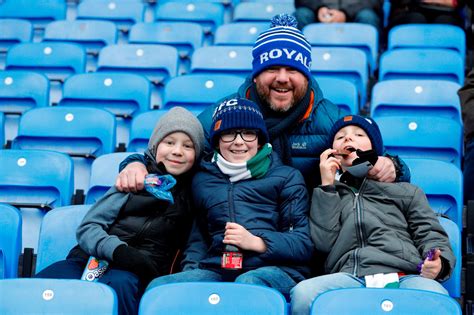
(274,208)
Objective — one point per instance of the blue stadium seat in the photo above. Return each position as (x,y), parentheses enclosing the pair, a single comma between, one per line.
(141,129)
(14,31)
(123,13)
(209,15)
(35,181)
(412,63)
(123,94)
(91,34)
(197,91)
(341,92)
(416,97)
(104,172)
(56,60)
(20,91)
(38,12)
(423,137)
(384,301)
(184,36)
(235,60)
(212,298)
(2,130)
(56,296)
(442,183)
(453,284)
(259,11)
(10,241)
(156,62)
(344,63)
(83,133)
(242,33)
(58,234)
(428,36)
(354,35)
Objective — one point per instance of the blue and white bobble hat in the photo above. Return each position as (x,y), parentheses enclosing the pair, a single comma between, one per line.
(282,45)
(237,113)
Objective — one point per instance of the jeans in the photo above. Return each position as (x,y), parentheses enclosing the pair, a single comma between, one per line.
(469,171)
(306,16)
(126,284)
(305,292)
(272,277)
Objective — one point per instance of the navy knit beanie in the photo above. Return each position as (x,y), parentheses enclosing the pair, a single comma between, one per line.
(282,45)
(237,113)
(369,126)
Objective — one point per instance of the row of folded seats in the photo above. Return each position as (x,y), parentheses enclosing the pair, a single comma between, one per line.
(80,297)
(164,50)
(57,236)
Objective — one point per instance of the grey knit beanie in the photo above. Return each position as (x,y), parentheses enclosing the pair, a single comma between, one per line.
(178,119)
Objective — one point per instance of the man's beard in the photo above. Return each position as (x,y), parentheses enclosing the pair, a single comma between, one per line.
(264,95)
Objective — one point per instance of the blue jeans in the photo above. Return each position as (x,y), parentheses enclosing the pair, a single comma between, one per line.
(305,292)
(272,277)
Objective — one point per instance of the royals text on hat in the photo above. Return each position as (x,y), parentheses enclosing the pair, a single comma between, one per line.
(277,53)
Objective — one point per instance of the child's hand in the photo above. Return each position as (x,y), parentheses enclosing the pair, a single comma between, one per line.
(328,166)
(236,234)
(431,268)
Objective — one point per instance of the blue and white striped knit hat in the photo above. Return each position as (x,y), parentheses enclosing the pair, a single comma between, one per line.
(282,45)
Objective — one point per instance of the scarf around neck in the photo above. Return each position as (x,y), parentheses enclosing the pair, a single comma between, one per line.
(279,125)
(256,167)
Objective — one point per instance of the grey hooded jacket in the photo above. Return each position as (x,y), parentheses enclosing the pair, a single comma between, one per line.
(384,228)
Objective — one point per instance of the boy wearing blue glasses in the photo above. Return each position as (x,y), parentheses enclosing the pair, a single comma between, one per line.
(252,224)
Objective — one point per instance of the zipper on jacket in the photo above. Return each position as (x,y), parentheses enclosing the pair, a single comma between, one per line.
(356,262)
(360,233)
(290,215)
(230,192)
(145,226)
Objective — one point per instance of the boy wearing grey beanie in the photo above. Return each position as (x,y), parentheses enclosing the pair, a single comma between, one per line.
(140,234)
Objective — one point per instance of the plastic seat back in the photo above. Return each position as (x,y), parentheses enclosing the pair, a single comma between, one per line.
(58,234)
(259,11)
(56,296)
(197,91)
(35,181)
(212,298)
(20,91)
(428,36)
(453,284)
(383,301)
(354,35)
(341,92)
(14,31)
(157,62)
(437,138)
(241,33)
(344,63)
(56,60)
(417,98)
(104,172)
(442,183)
(83,133)
(209,15)
(91,34)
(10,241)
(184,36)
(123,94)
(422,64)
(235,60)
(141,129)
(123,13)
(38,12)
